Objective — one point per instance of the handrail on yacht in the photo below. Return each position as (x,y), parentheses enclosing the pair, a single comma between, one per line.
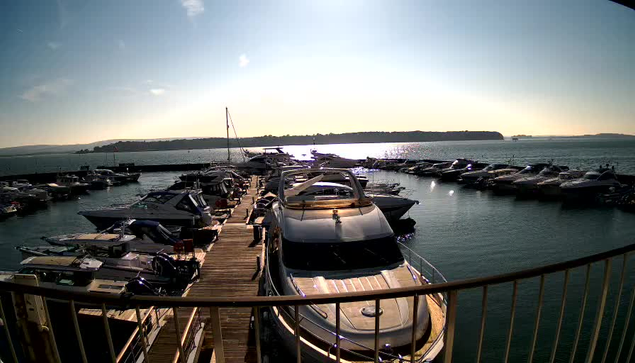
(450,290)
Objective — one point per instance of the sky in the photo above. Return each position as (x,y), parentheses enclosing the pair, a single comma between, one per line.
(78,71)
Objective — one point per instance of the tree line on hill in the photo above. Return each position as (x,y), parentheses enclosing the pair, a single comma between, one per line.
(269,140)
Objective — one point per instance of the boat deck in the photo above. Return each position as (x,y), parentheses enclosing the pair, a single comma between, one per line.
(230,271)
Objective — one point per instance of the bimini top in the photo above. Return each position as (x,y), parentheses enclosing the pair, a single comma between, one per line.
(295,192)
(65,263)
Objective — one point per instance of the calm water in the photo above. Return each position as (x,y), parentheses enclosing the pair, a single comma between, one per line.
(584,153)
(464,232)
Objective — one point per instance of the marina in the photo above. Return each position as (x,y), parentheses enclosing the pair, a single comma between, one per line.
(235,267)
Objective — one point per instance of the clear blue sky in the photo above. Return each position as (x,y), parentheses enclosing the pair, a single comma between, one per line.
(75,71)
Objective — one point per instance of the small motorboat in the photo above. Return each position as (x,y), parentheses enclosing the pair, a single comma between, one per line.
(178,208)
(7,210)
(76,274)
(72,182)
(116,178)
(97,182)
(138,235)
(160,269)
(393,207)
(56,191)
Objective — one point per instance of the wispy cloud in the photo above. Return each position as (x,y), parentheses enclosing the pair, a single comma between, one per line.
(243,61)
(193,7)
(62,13)
(52,88)
(54,45)
(157,91)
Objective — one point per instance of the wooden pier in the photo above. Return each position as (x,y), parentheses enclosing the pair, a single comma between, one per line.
(230,270)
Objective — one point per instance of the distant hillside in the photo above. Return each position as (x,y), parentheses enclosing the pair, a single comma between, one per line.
(268,140)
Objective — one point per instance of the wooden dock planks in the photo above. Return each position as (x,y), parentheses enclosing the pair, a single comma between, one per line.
(230,270)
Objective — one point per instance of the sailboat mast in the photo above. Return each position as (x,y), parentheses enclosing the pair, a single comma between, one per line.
(227,123)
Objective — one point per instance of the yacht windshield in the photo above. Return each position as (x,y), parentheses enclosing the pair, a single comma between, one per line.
(324,256)
(528,170)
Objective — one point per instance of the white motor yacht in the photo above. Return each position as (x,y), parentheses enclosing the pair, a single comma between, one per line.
(473,177)
(333,161)
(591,184)
(529,185)
(505,183)
(331,240)
(551,187)
(177,208)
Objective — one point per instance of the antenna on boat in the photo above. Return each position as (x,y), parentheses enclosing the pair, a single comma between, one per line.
(227,124)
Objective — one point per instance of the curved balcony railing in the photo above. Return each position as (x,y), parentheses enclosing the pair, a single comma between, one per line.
(622,350)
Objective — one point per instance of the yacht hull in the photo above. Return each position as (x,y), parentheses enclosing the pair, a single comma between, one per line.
(104,222)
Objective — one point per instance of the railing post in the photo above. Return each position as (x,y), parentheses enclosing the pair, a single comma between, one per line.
(5,323)
(616,308)
(626,323)
(451,322)
(377,314)
(582,308)
(257,334)
(511,321)
(217,330)
(142,334)
(298,345)
(179,338)
(338,330)
(479,350)
(600,312)
(78,333)
(562,308)
(415,312)
(541,293)
(111,347)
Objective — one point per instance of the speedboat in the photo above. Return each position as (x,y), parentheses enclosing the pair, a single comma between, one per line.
(504,184)
(458,167)
(529,185)
(56,191)
(76,274)
(334,242)
(97,181)
(179,208)
(550,188)
(591,184)
(383,188)
(116,178)
(393,207)
(7,210)
(478,176)
(72,182)
(333,160)
(434,169)
(416,167)
(160,269)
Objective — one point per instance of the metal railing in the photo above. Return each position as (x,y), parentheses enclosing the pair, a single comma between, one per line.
(450,290)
